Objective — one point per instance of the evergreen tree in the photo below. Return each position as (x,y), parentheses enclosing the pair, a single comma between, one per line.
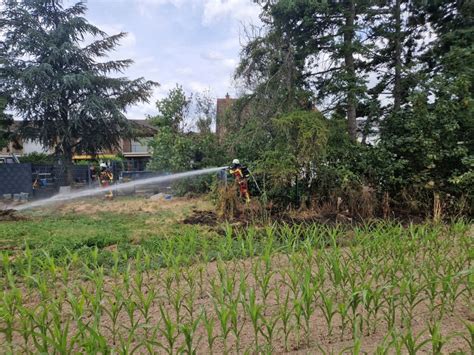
(393,53)
(58,86)
(432,136)
(324,43)
(5,124)
(453,50)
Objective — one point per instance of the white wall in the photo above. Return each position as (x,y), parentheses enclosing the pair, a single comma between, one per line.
(34,147)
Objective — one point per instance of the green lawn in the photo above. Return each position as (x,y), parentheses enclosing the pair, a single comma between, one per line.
(57,232)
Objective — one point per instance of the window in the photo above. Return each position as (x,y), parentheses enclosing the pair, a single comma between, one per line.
(140,146)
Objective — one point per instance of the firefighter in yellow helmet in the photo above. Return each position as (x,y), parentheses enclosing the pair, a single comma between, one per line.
(106,178)
(241,175)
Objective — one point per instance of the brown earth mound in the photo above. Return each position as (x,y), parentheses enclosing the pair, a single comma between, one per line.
(10,215)
(212,219)
(202,217)
(249,215)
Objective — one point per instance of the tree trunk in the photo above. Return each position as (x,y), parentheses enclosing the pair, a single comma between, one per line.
(350,69)
(68,178)
(397,90)
(66,142)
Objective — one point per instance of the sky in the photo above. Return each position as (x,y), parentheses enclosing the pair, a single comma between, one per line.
(194,43)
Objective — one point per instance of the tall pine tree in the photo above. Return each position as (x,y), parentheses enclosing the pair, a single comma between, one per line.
(60,86)
(325,39)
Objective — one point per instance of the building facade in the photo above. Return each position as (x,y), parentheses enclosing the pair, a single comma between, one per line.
(135,151)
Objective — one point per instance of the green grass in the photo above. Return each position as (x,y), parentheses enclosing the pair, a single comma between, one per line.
(159,234)
(47,233)
(72,232)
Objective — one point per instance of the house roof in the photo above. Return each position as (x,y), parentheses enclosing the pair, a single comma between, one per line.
(143,128)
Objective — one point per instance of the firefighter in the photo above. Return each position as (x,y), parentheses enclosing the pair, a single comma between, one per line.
(241,175)
(105,178)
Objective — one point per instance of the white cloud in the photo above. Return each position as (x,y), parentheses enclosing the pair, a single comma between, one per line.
(176,3)
(212,11)
(129,40)
(144,62)
(240,10)
(191,42)
(230,63)
(144,6)
(197,86)
(212,56)
(215,56)
(184,71)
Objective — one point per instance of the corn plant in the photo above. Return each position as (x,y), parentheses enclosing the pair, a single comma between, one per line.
(188,329)
(189,303)
(263,276)
(268,330)
(469,337)
(254,311)
(298,315)
(309,291)
(223,315)
(343,310)
(236,323)
(285,311)
(383,348)
(209,324)
(169,330)
(436,338)
(329,310)
(413,343)
(411,297)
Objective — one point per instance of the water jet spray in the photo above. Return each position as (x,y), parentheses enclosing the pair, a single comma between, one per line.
(117,187)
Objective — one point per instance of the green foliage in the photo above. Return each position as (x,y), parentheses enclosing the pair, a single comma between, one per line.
(300,142)
(118,160)
(171,151)
(37,158)
(416,109)
(205,111)
(432,140)
(173,109)
(175,152)
(176,149)
(196,185)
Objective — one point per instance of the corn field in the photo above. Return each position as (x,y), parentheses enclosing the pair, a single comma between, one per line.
(381,288)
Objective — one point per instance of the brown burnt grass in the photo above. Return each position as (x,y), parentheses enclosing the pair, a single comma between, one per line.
(11,216)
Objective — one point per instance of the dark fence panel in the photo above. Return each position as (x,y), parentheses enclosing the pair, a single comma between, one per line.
(45,182)
(79,173)
(15,178)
